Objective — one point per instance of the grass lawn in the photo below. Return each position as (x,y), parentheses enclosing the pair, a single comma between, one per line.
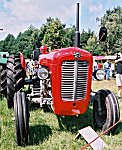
(45,132)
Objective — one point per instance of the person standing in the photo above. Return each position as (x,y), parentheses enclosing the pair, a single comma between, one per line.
(99,65)
(118,61)
(113,69)
(107,66)
(94,68)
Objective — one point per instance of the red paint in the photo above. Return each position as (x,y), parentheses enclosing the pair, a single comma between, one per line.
(54,61)
(22,59)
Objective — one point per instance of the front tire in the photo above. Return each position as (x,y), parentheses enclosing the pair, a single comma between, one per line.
(21,118)
(110,112)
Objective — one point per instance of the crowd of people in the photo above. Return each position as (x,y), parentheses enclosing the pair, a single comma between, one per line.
(112,69)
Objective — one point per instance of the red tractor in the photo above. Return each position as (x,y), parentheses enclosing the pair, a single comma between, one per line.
(62,80)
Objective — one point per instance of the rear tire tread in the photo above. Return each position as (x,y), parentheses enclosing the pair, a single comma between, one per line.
(3,87)
(19,74)
(10,81)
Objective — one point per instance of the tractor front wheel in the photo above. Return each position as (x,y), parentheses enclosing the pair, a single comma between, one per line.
(109,113)
(21,118)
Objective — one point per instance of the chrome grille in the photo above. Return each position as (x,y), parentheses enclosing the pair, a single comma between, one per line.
(74,80)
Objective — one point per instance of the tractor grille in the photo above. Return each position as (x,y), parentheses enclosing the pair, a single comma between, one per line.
(74,80)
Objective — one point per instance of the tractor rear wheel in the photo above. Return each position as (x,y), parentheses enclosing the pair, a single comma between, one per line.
(3,81)
(21,118)
(10,81)
(110,112)
(19,74)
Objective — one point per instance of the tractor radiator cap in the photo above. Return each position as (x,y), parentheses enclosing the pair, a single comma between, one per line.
(43,49)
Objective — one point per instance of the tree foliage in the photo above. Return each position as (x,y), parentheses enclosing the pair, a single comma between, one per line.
(112,20)
(56,35)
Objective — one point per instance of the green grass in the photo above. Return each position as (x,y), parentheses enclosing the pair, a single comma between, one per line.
(47,132)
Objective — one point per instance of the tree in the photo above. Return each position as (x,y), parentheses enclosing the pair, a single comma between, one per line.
(84,36)
(2,46)
(8,43)
(68,39)
(91,44)
(113,21)
(54,34)
(24,41)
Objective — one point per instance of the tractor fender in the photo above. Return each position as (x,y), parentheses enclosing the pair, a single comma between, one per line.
(22,59)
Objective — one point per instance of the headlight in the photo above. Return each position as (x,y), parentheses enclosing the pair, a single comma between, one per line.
(42,73)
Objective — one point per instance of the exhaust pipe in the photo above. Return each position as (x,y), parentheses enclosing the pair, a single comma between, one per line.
(77,33)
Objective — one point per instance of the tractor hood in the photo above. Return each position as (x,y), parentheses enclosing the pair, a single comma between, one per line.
(57,56)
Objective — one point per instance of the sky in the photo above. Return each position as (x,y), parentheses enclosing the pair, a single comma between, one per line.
(17,15)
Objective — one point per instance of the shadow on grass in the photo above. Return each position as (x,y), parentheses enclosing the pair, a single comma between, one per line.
(1,97)
(38,133)
(118,129)
(74,123)
(35,106)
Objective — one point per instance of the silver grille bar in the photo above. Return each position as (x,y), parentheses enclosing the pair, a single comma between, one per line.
(74,80)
